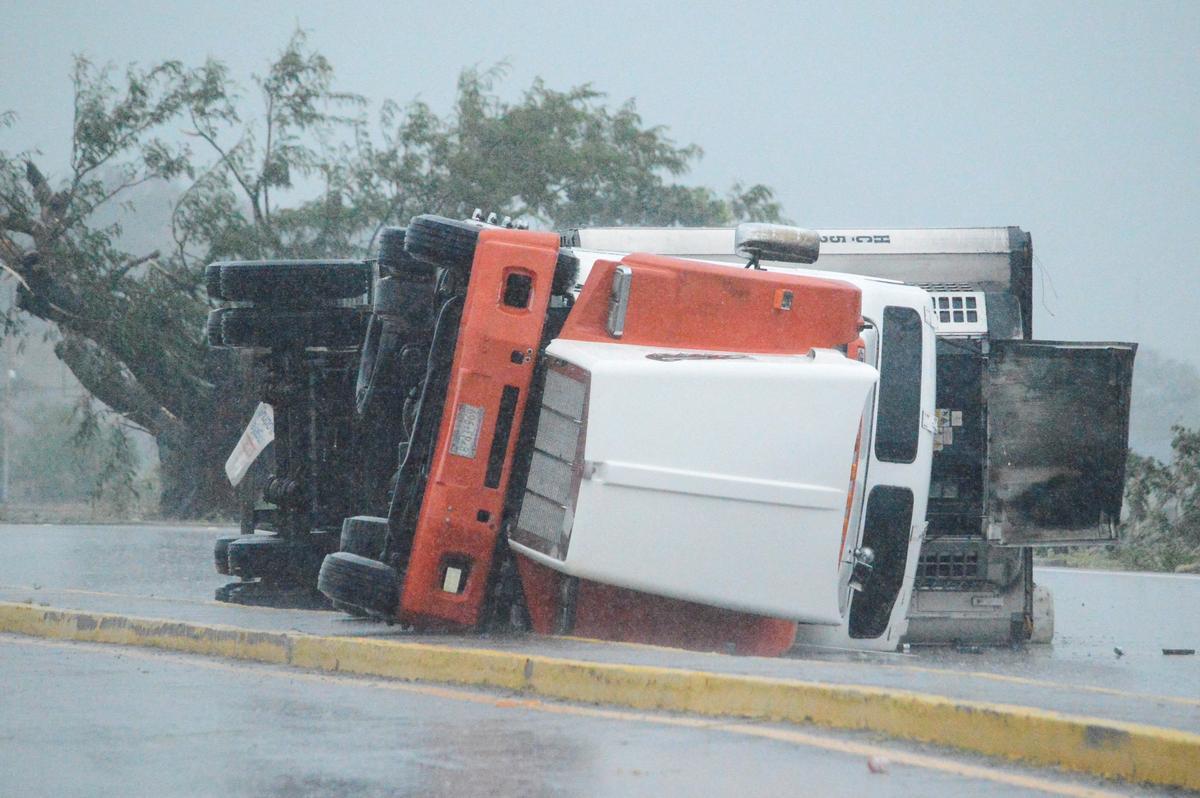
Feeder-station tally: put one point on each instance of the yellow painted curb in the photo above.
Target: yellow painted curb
(1114, 749)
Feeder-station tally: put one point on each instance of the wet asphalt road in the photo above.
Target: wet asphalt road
(141, 560)
(91, 720)
(87, 720)
(1095, 613)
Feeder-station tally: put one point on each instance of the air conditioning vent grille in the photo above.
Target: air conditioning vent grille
(959, 312)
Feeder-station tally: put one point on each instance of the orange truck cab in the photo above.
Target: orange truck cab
(616, 465)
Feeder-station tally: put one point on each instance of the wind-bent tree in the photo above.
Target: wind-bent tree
(1162, 527)
(305, 175)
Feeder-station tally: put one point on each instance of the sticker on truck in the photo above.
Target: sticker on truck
(258, 433)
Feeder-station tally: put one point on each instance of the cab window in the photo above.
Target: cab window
(899, 426)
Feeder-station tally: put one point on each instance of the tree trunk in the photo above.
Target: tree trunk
(193, 475)
(194, 484)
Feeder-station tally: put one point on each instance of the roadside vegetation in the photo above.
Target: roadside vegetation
(68, 462)
(1162, 532)
(288, 164)
(1161, 528)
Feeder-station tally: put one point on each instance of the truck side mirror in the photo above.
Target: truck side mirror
(864, 566)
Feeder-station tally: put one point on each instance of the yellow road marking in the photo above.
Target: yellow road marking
(1117, 749)
(1030, 682)
(894, 756)
(988, 675)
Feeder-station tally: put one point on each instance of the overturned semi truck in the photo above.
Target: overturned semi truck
(664, 449)
(606, 456)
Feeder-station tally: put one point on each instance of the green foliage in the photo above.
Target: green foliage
(101, 443)
(560, 157)
(1162, 530)
(554, 157)
(75, 455)
(294, 167)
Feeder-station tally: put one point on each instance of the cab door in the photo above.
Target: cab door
(1058, 435)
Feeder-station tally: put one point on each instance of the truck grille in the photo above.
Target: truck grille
(949, 564)
(547, 510)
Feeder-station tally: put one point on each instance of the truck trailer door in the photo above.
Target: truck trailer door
(1058, 434)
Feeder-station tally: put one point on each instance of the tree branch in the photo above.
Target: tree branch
(262, 175)
(110, 382)
(172, 279)
(13, 271)
(41, 189)
(40, 294)
(11, 253)
(212, 142)
(141, 357)
(108, 196)
(115, 276)
(18, 223)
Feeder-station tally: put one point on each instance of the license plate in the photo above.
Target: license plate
(464, 439)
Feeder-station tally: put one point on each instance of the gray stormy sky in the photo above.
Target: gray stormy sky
(1077, 122)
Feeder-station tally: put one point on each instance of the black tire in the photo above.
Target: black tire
(395, 261)
(272, 557)
(391, 249)
(212, 280)
(287, 282)
(364, 535)
(221, 554)
(388, 298)
(212, 328)
(332, 327)
(263, 557)
(405, 303)
(566, 273)
(370, 361)
(443, 242)
(349, 580)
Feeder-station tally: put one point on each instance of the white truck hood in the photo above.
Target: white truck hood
(714, 477)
